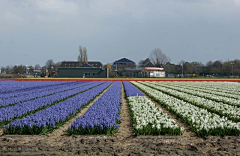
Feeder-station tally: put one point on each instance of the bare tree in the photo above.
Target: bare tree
(80, 56)
(37, 67)
(144, 63)
(227, 68)
(3, 70)
(49, 65)
(217, 68)
(236, 67)
(141, 63)
(169, 68)
(208, 67)
(85, 58)
(108, 65)
(158, 58)
(43, 71)
(15, 69)
(8, 69)
(183, 68)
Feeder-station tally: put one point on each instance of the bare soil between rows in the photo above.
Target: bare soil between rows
(125, 142)
(112, 145)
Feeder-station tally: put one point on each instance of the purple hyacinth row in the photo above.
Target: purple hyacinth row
(7, 87)
(8, 113)
(52, 116)
(102, 115)
(41, 93)
(32, 89)
(11, 86)
(131, 90)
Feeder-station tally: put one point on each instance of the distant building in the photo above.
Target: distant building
(123, 61)
(74, 64)
(155, 72)
(147, 63)
(72, 69)
(145, 72)
(37, 73)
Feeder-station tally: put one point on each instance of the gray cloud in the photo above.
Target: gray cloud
(200, 30)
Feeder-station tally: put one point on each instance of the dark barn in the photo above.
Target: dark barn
(89, 70)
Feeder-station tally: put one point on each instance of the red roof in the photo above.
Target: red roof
(154, 69)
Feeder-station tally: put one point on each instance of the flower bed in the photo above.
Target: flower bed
(103, 116)
(52, 117)
(23, 92)
(230, 90)
(131, 90)
(7, 87)
(222, 109)
(211, 95)
(149, 119)
(202, 122)
(40, 93)
(26, 108)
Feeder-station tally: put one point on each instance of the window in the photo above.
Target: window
(87, 74)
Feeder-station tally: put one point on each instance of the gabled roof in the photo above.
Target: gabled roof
(86, 66)
(95, 64)
(69, 64)
(124, 60)
(148, 64)
(75, 64)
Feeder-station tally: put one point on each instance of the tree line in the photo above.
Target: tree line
(49, 68)
(216, 68)
(156, 58)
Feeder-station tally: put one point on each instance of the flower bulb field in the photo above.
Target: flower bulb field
(119, 117)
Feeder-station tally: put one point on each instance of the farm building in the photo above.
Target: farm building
(145, 72)
(123, 61)
(89, 70)
(155, 72)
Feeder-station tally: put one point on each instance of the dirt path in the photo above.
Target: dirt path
(187, 129)
(125, 127)
(62, 130)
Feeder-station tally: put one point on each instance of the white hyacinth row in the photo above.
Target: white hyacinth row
(197, 86)
(231, 112)
(202, 122)
(206, 87)
(200, 92)
(149, 119)
(229, 88)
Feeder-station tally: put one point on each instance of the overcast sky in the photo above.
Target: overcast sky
(31, 32)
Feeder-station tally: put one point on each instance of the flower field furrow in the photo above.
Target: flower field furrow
(52, 117)
(223, 87)
(211, 96)
(201, 121)
(196, 86)
(222, 109)
(7, 114)
(149, 119)
(47, 87)
(103, 116)
(32, 96)
(15, 86)
(131, 90)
